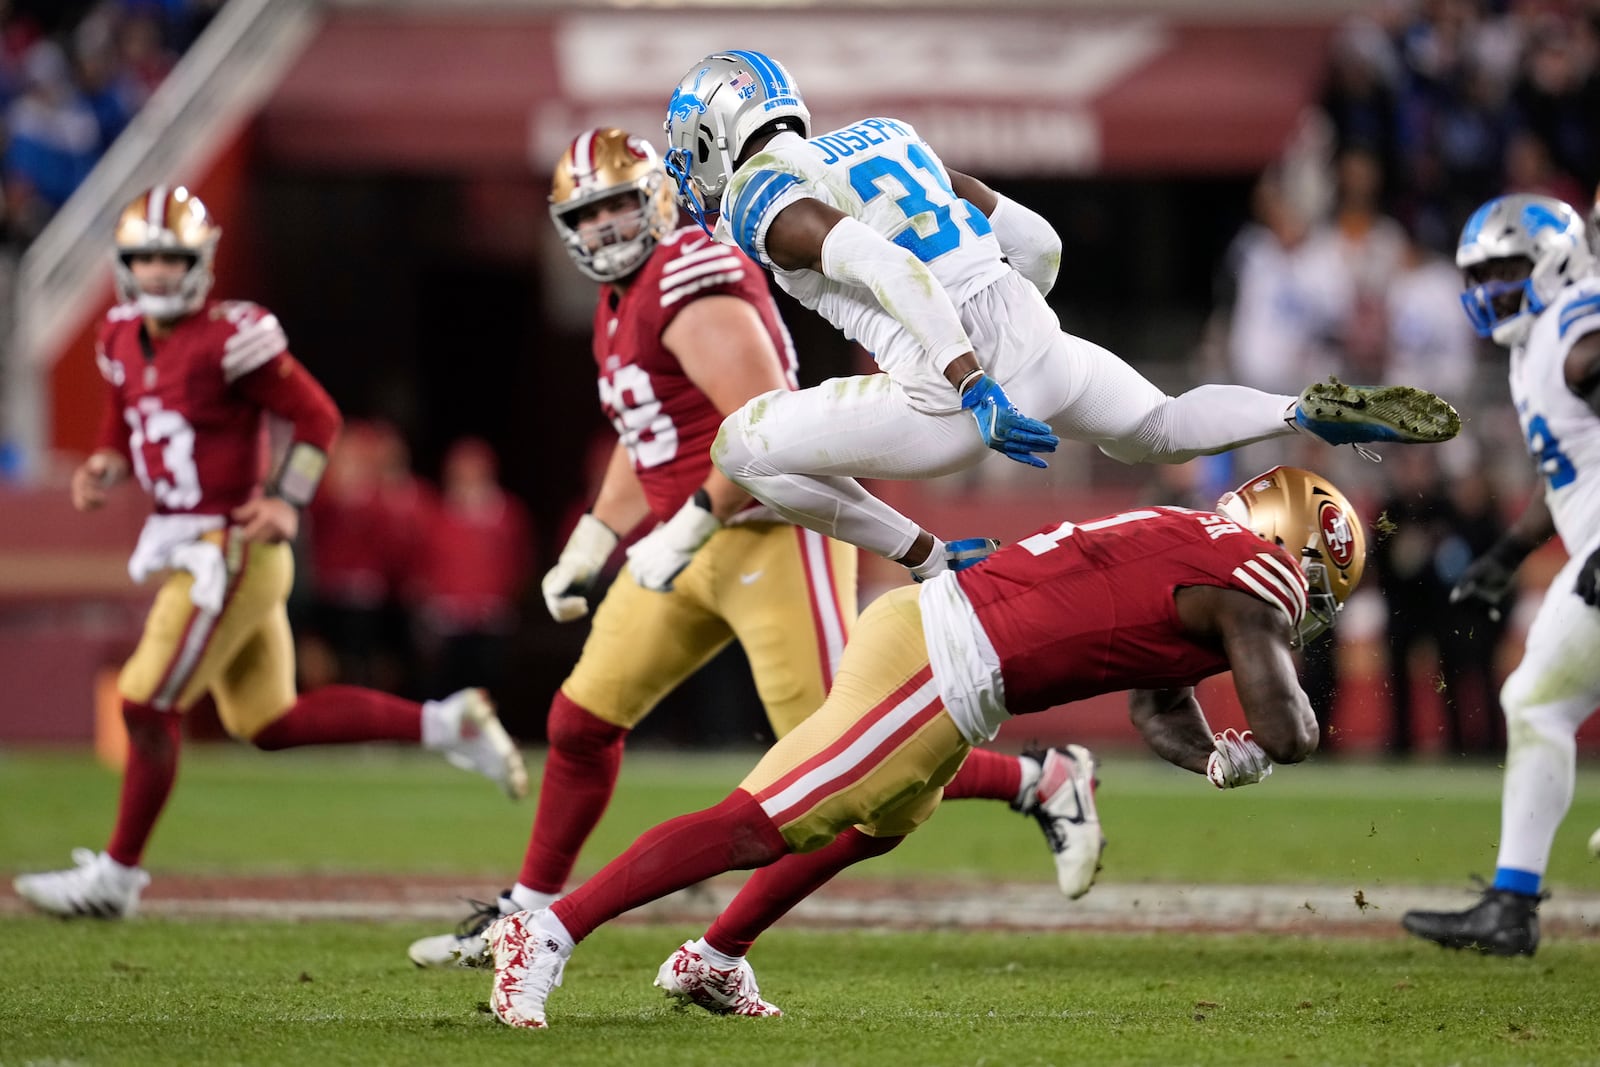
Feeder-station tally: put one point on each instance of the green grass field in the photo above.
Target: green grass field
(172, 991)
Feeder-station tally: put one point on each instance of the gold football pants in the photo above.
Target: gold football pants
(243, 655)
(786, 593)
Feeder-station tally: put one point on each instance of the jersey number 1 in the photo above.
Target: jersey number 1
(866, 179)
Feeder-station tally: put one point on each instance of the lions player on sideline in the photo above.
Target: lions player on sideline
(1159, 597)
(191, 382)
(1532, 287)
(942, 279)
(686, 331)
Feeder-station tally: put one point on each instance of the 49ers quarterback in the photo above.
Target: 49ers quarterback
(192, 383)
(685, 332)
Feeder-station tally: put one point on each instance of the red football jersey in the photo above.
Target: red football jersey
(195, 443)
(1080, 609)
(666, 423)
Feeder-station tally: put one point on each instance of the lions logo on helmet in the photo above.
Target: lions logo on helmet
(718, 108)
(1309, 516)
(166, 220)
(600, 165)
(1517, 253)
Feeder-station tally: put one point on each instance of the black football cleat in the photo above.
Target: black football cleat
(1503, 923)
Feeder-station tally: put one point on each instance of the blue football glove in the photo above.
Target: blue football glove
(1004, 428)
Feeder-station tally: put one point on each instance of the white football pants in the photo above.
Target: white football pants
(1550, 694)
(801, 452)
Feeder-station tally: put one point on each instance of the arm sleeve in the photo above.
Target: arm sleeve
(286, 389)
(857, 255)
(113, 434)
(1028, 241)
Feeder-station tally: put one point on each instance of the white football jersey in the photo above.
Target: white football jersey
(881, 173)
(1562, 432)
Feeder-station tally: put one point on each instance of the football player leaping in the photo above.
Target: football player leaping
(942, 280)
(1157, 598)
(191, 381)
(685, 331)
(1532, 288)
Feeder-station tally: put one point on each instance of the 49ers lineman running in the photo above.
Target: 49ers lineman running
(1157, 598)
(685, 331)
(191, 381)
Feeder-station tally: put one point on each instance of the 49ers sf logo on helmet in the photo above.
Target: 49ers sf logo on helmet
(1336, 534)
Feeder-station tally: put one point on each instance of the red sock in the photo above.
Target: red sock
(733, 836)
(342, 715)
(153, 742)
(773, 890)
(986, 776)
(580, 774)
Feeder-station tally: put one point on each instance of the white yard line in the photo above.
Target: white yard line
(1309, 910)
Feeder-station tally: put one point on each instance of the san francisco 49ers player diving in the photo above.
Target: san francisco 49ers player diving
(686, 331)
(190, 381)
(1156, 598)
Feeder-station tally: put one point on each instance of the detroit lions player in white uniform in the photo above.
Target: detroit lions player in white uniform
(942, 280)
(1533, 289)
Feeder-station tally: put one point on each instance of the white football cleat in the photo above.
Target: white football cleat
(468, 946)
(527, 968)
(688, 977)
(97, 886)
(1063, 805)
(480, 743)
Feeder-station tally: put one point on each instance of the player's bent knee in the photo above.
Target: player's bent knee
(1540, 724)
(571, 727)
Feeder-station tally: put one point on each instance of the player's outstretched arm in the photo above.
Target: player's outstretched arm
(1258, 638)
(1173, 725)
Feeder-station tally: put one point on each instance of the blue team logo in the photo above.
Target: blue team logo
(684, 104)
(1536, 217)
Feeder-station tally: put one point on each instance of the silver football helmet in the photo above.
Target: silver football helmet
(1542, 231)
(714, 112)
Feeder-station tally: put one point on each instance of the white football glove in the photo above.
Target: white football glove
(661, 555)
(1237, 761)
(566, 584)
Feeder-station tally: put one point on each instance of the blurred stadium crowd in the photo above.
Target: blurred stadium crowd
(72, 75)
(1344, 268)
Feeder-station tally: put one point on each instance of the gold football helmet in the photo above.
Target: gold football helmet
(598, 165)
(171, 220)
(1308, 516)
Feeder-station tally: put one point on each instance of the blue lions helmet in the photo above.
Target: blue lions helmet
(1543, 232)
(714, 112)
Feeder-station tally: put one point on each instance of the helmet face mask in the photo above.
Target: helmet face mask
(715, 111)
(162, 221)
(1310, 518)
(1503, 295)
(610, 171)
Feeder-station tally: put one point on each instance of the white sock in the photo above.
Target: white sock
(546, 923)
(441, 725)
(934, 565)
(531, 899)
(1031, 770)
(720, 960)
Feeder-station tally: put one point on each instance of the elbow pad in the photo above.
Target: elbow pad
(855, 254)
(1028, 241)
